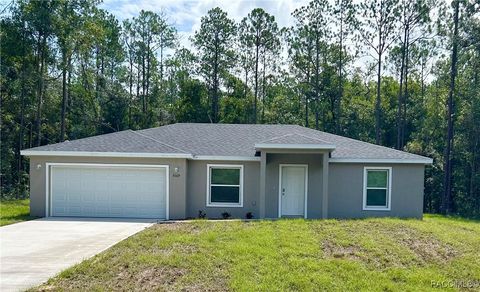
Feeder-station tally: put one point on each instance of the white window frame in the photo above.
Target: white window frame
(209, 203)
(388, 188)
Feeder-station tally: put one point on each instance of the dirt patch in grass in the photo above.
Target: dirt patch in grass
(186, 227)
(334, 250)
(151, 278)
(427, 248)
(408, 247)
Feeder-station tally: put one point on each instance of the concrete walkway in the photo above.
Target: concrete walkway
(31, 252)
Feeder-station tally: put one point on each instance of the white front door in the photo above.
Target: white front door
(293, 190)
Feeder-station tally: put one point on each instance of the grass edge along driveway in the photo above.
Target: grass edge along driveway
(13, 211)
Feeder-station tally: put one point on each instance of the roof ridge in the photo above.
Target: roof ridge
(274, 138)
(314, 138)
(165, 144)
(302, 135)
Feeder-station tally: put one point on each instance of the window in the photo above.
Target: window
(377, 186)
(225, 185)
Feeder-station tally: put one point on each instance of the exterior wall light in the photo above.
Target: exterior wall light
(176, 172)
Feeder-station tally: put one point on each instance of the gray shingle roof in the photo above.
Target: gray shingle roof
(225, 140)
(124, 141)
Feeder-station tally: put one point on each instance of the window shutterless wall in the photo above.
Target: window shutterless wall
(346, 182)
(197, 189)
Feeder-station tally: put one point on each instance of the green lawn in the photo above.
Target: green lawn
(332, 255)
(13, 211)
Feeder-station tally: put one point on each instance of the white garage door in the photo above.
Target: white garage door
(108, 191)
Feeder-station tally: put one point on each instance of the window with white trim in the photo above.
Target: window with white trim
(225, 185)
(377, 188)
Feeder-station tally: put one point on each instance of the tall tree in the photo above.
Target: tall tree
(414, 18)
(38, 19)
(379, 22)
(214, 41)
(67, 20)
(166, 39)
(309, 51)
(259, 32)
(344, 20)
(447, 195)
(147, 37)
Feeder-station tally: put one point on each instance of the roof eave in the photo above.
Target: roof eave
(226, 158)
(104, 154)
(426, 161)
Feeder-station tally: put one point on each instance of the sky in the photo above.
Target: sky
(185, 15)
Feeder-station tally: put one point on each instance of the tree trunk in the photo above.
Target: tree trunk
(148, 77)
(144, 102)
(40, 87)
(161, 67)
(138, 81)
(215, 88)
(21, 133)
(64, 96)
(317, 79)
(306, 112)
(378, 102)
(405, 95)
(255, 104)
(447, 195)
(338, 103)
(400, 94)
(264, 84)
(130, 91)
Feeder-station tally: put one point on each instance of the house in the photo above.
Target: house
(175, 171)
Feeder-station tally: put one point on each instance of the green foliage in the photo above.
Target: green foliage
(190, 107)
(259, 40)
(214, 43)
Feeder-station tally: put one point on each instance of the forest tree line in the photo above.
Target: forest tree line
(398, 73)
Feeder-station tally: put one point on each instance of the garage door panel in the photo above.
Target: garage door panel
(119, 191)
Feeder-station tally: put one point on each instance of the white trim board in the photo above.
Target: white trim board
(104, 154)
(225, 205)
(138, 155)
(389, 189)
(280, 166)
(295, 146)
(48, 180)
(226, 158)
(214, 157)
(380, 160)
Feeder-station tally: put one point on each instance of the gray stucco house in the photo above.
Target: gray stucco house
(175, 171)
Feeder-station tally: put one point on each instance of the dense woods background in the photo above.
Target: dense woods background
(398, 73)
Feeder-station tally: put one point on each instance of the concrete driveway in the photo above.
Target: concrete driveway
(31, 252)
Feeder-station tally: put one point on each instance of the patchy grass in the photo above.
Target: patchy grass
(13, 211)
(333, 255)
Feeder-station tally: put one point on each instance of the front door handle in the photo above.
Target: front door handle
(283, 192)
